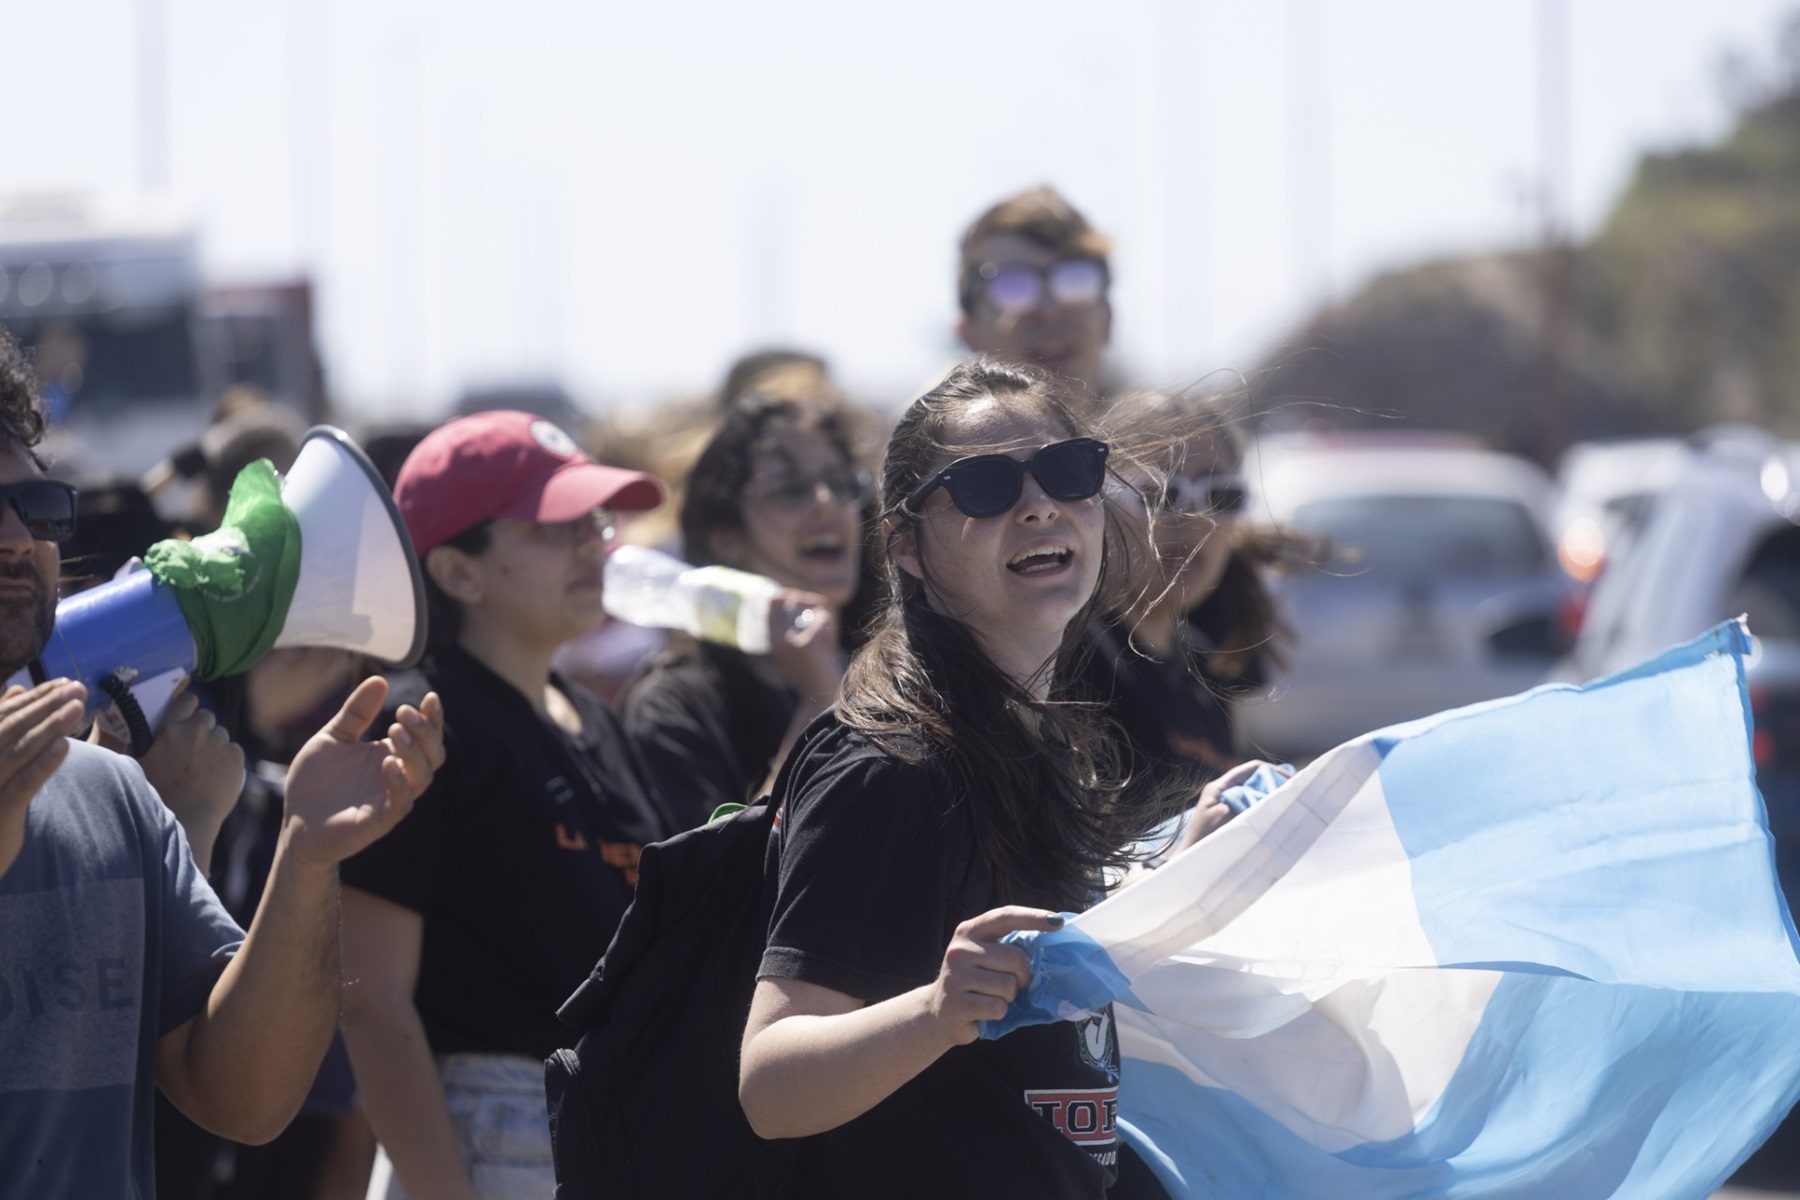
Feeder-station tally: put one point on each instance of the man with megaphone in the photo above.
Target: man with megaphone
(120, 972)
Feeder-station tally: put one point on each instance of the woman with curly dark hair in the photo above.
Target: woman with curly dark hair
(956, 795)
(777, 491)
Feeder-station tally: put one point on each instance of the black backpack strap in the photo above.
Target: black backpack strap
(667, 1003)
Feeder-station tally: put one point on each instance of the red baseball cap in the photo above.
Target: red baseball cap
(507, 464)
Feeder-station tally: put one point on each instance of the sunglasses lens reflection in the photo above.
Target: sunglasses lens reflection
(1077, 281)
(46, 508)
(1072, 282)
(1014, 288)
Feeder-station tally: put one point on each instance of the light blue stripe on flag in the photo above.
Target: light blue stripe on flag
(1642, 846)
(1531, 948)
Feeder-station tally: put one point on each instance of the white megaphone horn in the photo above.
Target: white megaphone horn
(360, 585)
(358, 588)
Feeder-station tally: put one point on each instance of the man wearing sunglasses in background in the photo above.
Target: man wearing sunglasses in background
(1033, 287)
(120, 972)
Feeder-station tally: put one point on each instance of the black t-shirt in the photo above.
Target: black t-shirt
(877, 865)
(707, 722)
(521, 857)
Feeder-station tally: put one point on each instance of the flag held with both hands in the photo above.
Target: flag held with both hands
(1529, 948)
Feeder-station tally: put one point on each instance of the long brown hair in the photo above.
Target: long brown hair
(1049, 808)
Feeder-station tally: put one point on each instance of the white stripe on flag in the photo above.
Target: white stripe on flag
(1530, 948)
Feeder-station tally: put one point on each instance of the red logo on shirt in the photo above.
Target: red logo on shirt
(1085, 1118)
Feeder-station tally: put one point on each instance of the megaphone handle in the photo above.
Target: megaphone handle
(130, 710)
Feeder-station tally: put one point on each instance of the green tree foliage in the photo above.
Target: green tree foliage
(1682, 311)
(1693, 289)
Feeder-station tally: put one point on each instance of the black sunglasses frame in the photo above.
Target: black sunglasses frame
(28, 500)
(852, 489)
(1224, 498)
(1055, 487)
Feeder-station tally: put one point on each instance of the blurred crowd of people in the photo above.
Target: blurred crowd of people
(572, 740)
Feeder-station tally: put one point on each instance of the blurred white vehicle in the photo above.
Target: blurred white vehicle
(1602, 492)
(1721, 540)
(1442, 588)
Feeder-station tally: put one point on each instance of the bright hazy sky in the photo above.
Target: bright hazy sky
(627, 196)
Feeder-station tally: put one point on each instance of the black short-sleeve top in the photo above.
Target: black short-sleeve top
(521, 857)
(876, 865)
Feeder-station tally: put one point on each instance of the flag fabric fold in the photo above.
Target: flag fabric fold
(1533, 947)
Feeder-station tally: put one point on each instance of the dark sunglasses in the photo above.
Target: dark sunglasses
(1208, 496)
(849, 488)
(1016, 287)
(986, 485)
(46, 506)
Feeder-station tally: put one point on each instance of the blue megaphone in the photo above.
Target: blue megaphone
(357, 587)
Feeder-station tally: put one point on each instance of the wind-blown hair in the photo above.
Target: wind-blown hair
(1049, 808)
(21, 414)
(1154, 432)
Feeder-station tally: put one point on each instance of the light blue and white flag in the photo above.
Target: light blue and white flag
(1530, 948)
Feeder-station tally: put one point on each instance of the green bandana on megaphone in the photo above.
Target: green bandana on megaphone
(234, 585)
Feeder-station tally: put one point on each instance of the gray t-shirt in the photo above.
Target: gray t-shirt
(109, 938)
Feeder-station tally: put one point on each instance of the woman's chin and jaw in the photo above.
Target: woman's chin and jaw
(1017, 597)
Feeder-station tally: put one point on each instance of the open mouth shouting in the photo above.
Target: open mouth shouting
(1041, 560)
(823, 548)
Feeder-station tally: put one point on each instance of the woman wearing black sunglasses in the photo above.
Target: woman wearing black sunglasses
(952, 798)
(777, 491)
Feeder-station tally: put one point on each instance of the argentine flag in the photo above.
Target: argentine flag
(1530, 948)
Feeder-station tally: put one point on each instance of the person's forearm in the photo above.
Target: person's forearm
(254, 1051)
(202, 835)
(805, 1074)
(401, 1094)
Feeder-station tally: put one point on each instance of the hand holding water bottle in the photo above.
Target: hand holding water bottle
(713, 603)
(803, 641)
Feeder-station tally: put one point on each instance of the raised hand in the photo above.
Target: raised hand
(344, 793)
(34, 726)
(1209, 812)
(34, 739)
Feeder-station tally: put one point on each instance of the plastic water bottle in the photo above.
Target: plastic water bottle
(716, 604)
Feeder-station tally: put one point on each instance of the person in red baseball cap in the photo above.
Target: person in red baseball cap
(467, 933)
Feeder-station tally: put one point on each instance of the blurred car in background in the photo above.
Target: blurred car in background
(1720, 541)
(1603, 489)
(1441, 587)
